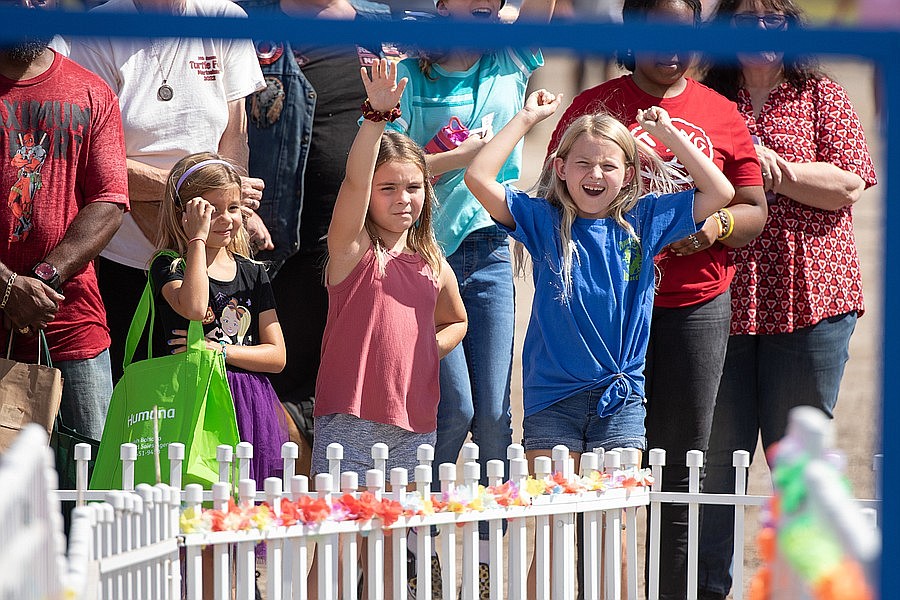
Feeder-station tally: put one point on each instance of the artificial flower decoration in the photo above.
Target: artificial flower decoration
(311, 511)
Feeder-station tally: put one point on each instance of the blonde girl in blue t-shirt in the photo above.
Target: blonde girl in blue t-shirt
(592, 233)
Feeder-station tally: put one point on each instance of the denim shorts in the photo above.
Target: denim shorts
(574, 423)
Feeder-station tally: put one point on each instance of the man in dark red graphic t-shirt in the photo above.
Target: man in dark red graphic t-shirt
(64, 169)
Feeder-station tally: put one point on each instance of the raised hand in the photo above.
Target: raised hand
(540, 104)
(382, 87)
(197, 217)
(654, 119)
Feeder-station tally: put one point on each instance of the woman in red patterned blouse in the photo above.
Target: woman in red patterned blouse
(797, 290)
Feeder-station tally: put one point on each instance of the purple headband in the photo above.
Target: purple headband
(200, 165)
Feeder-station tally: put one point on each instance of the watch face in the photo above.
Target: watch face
(45, 271)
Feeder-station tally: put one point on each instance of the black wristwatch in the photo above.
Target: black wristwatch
(48, 274)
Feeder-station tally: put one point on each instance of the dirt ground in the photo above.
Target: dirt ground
(857, 416)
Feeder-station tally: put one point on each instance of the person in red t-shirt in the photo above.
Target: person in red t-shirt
(692, 310)
(66, 189)
(797, 289)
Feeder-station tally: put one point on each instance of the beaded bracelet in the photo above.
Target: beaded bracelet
(376, 116)
(727, 223)
(224, 351)
(9, 284)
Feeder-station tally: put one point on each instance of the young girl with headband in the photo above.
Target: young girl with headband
(203, 273)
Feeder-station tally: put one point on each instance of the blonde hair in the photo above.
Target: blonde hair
(642, 159)
(396, 147)
(211, 177)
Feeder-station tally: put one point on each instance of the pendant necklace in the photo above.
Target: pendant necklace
(165, 91)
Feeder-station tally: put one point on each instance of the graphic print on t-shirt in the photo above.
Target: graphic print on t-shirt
(232, 324)
(29, 160)
(632, 259)
(694, 133)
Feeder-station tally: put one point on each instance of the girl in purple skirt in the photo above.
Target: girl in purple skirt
(204, 274)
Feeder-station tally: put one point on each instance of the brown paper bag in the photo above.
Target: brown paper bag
(28, 394)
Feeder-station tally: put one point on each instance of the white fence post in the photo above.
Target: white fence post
(350, 578)
(244, 454)
(399, 481)
(422, 475)
(327, 545)
(221, 552)
(289, 454)
(379, 458)
(128, 456)
(542, 536)
(471, 475)
(334, 454)
(274, 548)
(613, 541)
(193, 499)
(563, 528)
(631, 460)
(299, 552)
(495, 534)
(224, 456)
(447, 474)
(591, 536)
(657, 461)
(694, 462)
(375, 543)
(175, 452)
(82, 458)
(741, 462)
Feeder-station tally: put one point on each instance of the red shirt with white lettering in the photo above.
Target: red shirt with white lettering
(61, 148)
(714, 125)
(804, 266)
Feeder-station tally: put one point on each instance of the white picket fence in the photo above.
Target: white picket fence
(31, 538)
(127, 544)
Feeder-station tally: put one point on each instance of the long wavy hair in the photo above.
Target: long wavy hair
(170, 234)
(645, 163)
(726, 77)
(636, 11)
(396, 147)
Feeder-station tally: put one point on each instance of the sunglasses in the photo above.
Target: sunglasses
(769, 21)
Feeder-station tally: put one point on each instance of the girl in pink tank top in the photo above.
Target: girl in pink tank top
(394, 305)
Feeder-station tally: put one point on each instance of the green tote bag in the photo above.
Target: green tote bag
(186, 393)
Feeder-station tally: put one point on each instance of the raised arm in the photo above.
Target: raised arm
(713, 189)
(537, 10)
(481, 176)
(347, 237)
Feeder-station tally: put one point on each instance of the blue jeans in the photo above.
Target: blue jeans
(684, 365)
(475, 375)
(765, 376)
(87, 388)
(574, 423)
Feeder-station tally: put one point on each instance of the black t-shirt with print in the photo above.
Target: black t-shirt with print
(234, 306)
